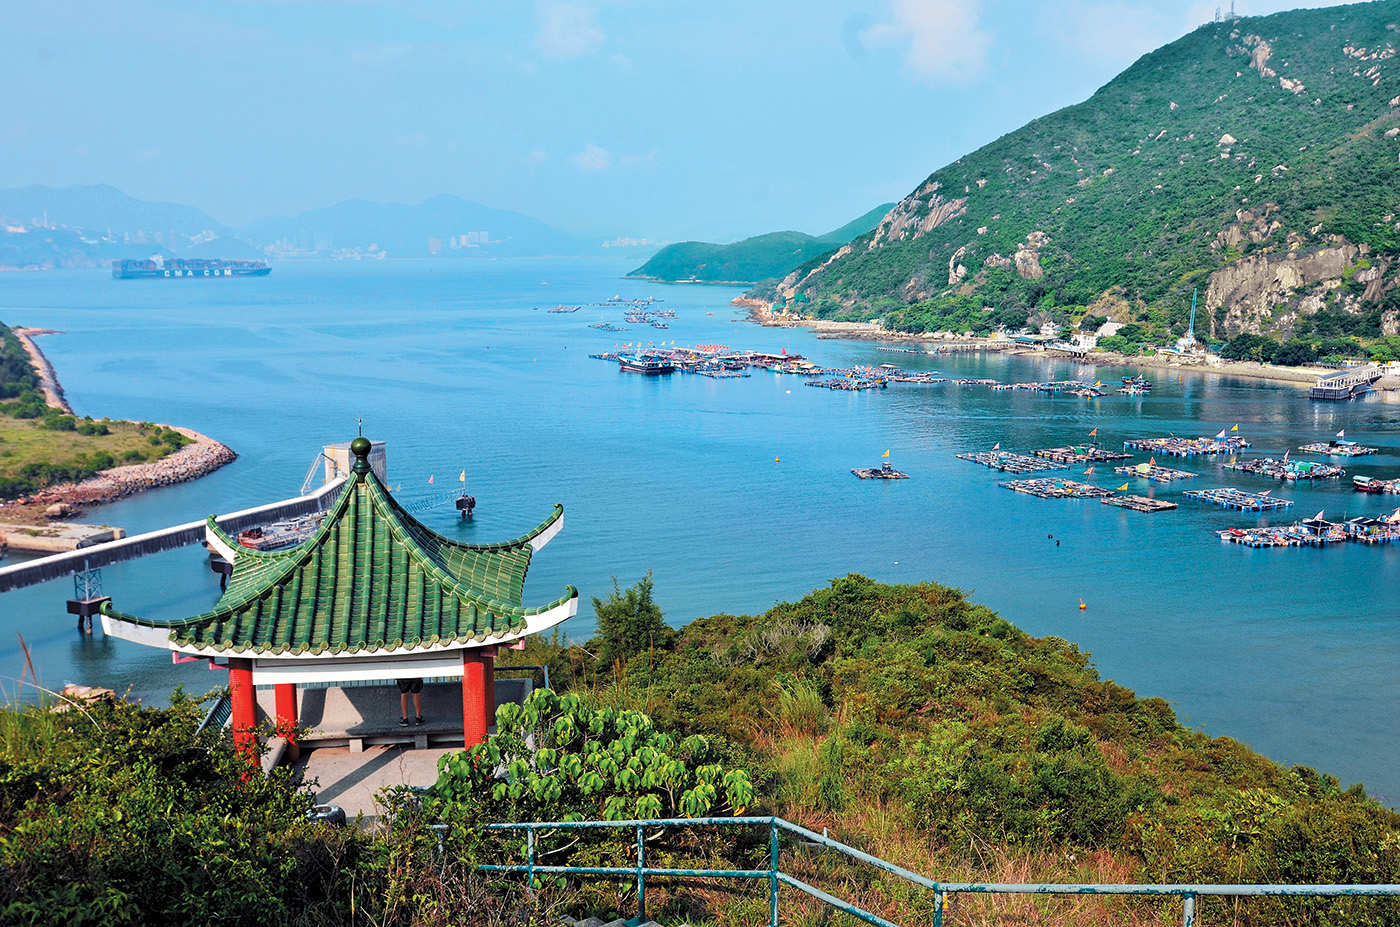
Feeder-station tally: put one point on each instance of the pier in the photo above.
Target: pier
(1049, 487)
(1345, 384)
(1238, 499)
(1007, 462)
(19, 575)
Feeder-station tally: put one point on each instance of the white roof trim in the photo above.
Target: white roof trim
(357, 669)
(547, 535)
(160, 637)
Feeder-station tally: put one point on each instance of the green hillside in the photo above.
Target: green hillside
(752, 259)
(1257, 160)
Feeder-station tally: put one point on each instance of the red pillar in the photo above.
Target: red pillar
(488, 658)
(245, 706)
(474, 721)
(286, 695)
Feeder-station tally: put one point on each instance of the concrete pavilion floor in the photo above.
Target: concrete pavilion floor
(355, 746)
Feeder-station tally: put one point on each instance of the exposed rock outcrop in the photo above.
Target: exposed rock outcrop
(1253, 289)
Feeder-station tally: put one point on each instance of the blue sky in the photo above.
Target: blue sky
(715, 120)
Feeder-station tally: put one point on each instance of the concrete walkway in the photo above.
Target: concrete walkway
(352, 780)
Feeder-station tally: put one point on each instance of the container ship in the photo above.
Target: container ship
(156, 266)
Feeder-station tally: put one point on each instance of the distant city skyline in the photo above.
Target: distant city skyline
(712, 121)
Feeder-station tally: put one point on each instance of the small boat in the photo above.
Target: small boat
(1367, 484)
(280, 535)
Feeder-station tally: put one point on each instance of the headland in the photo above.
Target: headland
(198, 456)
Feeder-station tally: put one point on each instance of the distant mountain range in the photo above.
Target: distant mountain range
(90, 226)
(753, 259)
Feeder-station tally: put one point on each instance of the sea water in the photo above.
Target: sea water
(735, 494)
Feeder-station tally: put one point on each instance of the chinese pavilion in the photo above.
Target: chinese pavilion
(372, 595)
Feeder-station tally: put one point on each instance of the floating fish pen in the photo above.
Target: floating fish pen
(1012, 463)
(885, 347)
(605, 356)
(1155, 474)
(918, 378)
(1139, 503)
(605, 327)
(882, 472)
(1370, 530)
(982, 381)
(847, 383)
(1338, 449)
(1187, 447)
(1292, 471)
(721, 373)
(1049, 487)
(1080, 453)
(1238, 499)
(566, 309)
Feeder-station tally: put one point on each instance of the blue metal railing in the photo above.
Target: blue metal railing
(941, 890)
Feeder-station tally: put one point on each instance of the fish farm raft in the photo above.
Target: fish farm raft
(1012, 463)
(1238, 499)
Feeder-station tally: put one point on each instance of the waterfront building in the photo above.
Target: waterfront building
(372, 595)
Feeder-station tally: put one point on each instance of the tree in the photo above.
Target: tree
(565, 759)
(629, 623)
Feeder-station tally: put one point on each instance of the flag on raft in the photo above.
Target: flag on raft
(1088, 471)
(1342, 433)
(1235, 428)
(1098, 383)
(1285, 456)
(1152, 461)
(1222, 433)
(1123, 488)
(1094, 432)
(1266, 492)
(1318, 516)
(430, 480)
(886, 454)
(997, 446)
(463, 477)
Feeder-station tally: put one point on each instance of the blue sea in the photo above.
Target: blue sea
(735, 494)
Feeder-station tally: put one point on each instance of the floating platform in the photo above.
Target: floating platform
(1292, 471)
(1338, 449)
(1238, 499)
(1007, 462)
(1155, 474)
(882, 472)
(1139, 503)
(1188, 447)
(1080, 453)
(1049, 487)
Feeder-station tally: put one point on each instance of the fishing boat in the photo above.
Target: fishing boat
(1368, 484)
(651, 364)
(280, 535)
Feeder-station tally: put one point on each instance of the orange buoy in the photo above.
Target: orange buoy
(1082, 606)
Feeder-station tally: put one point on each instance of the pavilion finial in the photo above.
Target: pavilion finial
(360, 448)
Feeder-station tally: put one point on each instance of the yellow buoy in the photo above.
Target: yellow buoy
(1082, 606)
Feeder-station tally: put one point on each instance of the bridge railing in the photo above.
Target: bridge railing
(774, 875)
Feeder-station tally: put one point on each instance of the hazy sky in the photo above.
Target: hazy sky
(667, 120)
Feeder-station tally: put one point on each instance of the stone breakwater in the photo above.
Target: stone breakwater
(190, 462)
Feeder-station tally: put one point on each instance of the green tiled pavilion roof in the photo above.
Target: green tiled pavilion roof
(371, 579)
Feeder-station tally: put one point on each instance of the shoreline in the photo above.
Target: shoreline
(48, 380)
(200, 458)
(760, 314)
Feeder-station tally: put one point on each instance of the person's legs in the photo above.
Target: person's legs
(418, 706)
(403, 707)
